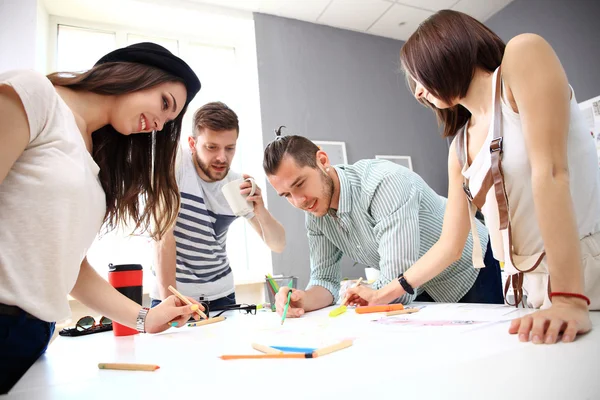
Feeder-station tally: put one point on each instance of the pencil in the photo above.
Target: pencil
(405, 311)
(265, 349)
(330, 349)
(317, 353)
(355, 285)
(342, 308)
(128, 367)
(287, 304)
(289, 349)
(265, 356)
(186, 300)
(381, 308)
(207, 321)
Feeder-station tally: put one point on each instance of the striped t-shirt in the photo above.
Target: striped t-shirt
(201, 233)
(387, 218)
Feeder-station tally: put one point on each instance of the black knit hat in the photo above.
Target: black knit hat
(156, 56)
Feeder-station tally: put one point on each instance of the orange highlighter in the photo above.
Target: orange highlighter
(382, 308)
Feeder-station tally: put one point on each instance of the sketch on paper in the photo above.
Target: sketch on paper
(335, 150)
(405, 161)
(416, 322)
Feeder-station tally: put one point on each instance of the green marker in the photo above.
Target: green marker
(287, 304)
(275, 288)
(273, 283)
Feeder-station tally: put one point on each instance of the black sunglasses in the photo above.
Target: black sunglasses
(248, 308)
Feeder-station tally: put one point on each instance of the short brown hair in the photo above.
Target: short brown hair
(300, 148)
(215, 116)
(443, 54)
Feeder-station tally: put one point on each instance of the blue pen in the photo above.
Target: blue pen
(294, 349)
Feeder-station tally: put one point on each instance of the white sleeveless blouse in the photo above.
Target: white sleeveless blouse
(527, 242)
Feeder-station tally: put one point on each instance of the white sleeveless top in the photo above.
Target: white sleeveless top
(527, 242)
(51, 204)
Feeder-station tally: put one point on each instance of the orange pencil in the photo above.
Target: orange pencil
(382, 308)
(262, 356)
(317, 353)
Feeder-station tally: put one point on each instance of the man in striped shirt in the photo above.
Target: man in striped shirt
(379, 214)
(193, 257)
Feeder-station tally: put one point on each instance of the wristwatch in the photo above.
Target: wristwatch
(140, 322)
(405, 285)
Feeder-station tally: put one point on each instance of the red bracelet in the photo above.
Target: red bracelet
(567, 294)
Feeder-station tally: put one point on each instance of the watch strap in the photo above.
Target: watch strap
(405, 285)
(140, 322)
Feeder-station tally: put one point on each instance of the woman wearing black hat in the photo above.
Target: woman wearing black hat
(80, 150)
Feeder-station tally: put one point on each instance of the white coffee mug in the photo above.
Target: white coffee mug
(237, 201)
(372, 274)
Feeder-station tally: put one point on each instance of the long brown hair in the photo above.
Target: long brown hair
(443, 54)
(137, 172)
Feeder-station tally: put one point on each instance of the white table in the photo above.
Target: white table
(478, 361)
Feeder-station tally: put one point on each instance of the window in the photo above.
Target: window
(225, 72)
(80, 48)
(169, 44)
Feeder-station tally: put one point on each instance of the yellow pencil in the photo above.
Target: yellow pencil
(330, 349)
(128, 367)
(207, 321)
(405, 311)
(186, 301)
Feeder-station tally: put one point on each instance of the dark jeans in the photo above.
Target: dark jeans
(218, 304)
(487, 288)
(22, 341)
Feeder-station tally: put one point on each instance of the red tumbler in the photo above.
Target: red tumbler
(127, 279)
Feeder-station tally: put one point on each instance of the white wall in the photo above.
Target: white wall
(23, 35)
(17, 34)
(41, 38)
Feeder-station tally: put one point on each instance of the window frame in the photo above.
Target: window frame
(258, 258)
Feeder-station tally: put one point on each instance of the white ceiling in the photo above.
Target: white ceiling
(395, 19)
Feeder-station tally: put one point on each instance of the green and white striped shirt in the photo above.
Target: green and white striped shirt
(387, 218)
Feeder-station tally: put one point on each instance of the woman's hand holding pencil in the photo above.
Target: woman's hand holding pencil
(346, 297)
(362, 296)
(172, 312)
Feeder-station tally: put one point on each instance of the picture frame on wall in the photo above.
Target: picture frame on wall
(405, 161)
(336, 151)
(591, 112)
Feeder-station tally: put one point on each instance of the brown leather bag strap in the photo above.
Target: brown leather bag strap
(497, 174)
(516, 281)
(496, 156)
(486, 185)
(462, 159)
